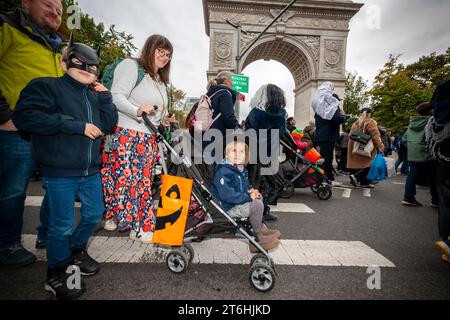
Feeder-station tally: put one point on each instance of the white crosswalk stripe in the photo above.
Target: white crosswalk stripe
(234, 251)
(36, 201)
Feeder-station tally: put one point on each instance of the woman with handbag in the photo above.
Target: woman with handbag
(361, 154)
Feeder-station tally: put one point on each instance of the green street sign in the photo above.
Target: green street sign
(240, 83)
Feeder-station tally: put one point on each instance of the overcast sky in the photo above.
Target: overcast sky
(410, 27)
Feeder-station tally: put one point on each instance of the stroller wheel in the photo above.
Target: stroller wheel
(187, 248)
(177, 261)
(261, 259)
(261, 277)
(288, 191)
(324, 193)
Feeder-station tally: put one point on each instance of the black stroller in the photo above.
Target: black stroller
(299, 172)
(206, 217)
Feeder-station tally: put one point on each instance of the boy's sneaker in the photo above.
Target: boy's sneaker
(368, 186)
(88, 266)
(16, 257)
(64, 284)
(110, 225)
(411, 203)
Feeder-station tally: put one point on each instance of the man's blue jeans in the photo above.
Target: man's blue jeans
(61, 192)
(410, 187)
(16, 167)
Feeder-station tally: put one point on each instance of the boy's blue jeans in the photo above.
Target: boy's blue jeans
(62, 239)
(16, 167)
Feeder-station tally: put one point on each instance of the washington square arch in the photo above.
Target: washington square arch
(310, 39)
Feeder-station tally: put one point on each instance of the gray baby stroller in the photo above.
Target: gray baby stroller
(207, 217)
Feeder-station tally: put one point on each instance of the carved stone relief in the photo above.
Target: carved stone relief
(334, 50)
(223, 48)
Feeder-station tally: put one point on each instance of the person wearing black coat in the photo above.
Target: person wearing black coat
(329, 117)
(223, 100)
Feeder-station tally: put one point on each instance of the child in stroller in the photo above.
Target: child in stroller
(238, 198)
(303, 170)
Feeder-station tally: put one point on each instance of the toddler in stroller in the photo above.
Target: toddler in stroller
(239, 199)
(303, 170)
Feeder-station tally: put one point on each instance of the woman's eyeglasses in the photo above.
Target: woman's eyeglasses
(164, 53)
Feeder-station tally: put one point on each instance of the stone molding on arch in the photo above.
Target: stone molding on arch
(299, 54)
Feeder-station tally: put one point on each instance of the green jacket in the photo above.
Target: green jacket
(24, 56)
(414, 139)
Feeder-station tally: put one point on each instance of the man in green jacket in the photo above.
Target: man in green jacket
(419, 157)
(29, 48)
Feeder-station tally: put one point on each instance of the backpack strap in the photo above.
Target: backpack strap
(141, 74)
(212, 96)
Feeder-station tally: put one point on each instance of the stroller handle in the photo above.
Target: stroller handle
(149, 124)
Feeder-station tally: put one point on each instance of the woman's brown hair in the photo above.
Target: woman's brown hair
(146, 59)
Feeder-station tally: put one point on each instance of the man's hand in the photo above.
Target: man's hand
(92, 132)
(8, 126)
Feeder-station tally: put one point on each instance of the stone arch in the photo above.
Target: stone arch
(290, 52)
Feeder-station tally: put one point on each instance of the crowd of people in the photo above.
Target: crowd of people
(90, 143)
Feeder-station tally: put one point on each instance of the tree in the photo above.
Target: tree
(431, 69)
(178, 97)
(396, 94)
(356, 96)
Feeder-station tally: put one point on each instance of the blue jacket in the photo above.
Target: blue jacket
(55, 112)
(328, 130)
(231, 186)
(223, 103)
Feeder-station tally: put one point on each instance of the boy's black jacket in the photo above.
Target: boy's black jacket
(55, 111)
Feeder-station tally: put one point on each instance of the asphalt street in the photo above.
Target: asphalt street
(403, 235)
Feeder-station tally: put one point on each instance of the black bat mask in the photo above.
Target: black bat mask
(85, 54)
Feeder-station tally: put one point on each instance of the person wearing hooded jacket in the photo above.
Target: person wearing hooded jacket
(329, 117)
(418, 156)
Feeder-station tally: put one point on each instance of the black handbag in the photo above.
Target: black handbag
(360, 137)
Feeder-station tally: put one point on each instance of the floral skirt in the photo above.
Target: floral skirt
(127, 175)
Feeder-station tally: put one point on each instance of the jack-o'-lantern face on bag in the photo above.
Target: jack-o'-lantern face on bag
(173, 210)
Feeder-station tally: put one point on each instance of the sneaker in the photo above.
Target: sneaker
(40, 244)
(110, 225)
(368, 186)
(16, 257)
(353, 180)
(443, 248)
(88, 266)
(411, 203)
(59, 282)
(145, 237)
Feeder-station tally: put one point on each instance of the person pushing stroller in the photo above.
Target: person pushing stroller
(239, 199)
